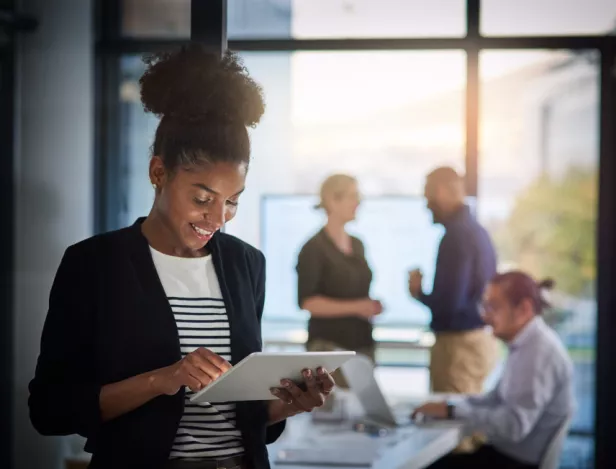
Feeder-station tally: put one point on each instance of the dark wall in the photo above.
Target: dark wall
(7, 70)
(53, 187)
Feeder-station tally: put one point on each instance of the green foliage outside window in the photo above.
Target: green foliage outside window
(551, 231)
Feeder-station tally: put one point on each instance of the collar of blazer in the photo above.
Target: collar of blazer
(150, 282)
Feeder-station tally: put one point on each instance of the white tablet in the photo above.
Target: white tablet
(253, 377)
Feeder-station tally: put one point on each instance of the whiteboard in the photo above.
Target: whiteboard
(398, 235)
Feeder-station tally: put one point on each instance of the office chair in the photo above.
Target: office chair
(551, 458)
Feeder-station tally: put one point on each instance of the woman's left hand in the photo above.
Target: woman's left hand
(318, 388)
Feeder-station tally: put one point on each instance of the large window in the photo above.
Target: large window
(304, 19)
(538, 187)
(388, 117)
(547, 17)
(396, 116)
(319, 19)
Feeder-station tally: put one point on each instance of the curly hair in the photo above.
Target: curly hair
(205, 102)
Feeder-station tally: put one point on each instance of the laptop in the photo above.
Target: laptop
(359, 373)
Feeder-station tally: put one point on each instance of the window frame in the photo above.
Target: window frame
(110, 191)
(110, 187)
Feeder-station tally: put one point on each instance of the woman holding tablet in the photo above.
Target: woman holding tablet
(141, 318)
(333, 277)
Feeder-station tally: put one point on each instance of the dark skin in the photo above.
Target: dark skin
(190, 205)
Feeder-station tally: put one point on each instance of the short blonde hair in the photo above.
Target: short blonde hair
(334, 186)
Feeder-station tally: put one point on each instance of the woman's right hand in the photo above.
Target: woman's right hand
(369, 308)
(196, 370)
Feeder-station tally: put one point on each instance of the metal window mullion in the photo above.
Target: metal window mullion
(208, 23)
(605, 366)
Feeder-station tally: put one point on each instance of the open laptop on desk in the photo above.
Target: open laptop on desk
(359, 373)
(358, 451)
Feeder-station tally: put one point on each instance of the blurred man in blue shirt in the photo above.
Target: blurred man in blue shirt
(464, 352)
(533, 400)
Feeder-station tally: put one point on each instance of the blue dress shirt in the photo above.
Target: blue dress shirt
(465, 262)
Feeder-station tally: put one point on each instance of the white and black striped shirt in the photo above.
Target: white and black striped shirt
(206, 431)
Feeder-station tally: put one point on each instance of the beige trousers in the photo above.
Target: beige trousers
(460, 362)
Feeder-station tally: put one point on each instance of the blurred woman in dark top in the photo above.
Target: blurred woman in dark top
(334, 277)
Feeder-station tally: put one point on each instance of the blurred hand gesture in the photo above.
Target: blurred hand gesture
(415, 280)
(369, 308)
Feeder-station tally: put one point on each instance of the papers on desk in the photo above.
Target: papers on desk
(331, 447)
(356, 456)
(340, 448)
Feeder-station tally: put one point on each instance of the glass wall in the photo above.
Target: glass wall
(389, 121)
(303, 19)
(386, 117)
(547, 17)
(320, 19)
(389, 117)
(539, 149)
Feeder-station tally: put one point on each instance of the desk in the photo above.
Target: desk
(413, 447)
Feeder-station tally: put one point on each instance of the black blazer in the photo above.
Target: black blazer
(108, 320)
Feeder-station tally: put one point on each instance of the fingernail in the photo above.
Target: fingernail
(320, 371)
(307, 373)
(286, 384)
(275, 392)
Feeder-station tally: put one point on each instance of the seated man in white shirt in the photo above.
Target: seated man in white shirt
(534, 396)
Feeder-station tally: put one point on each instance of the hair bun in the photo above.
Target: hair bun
(546, 284)
(195, 84)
